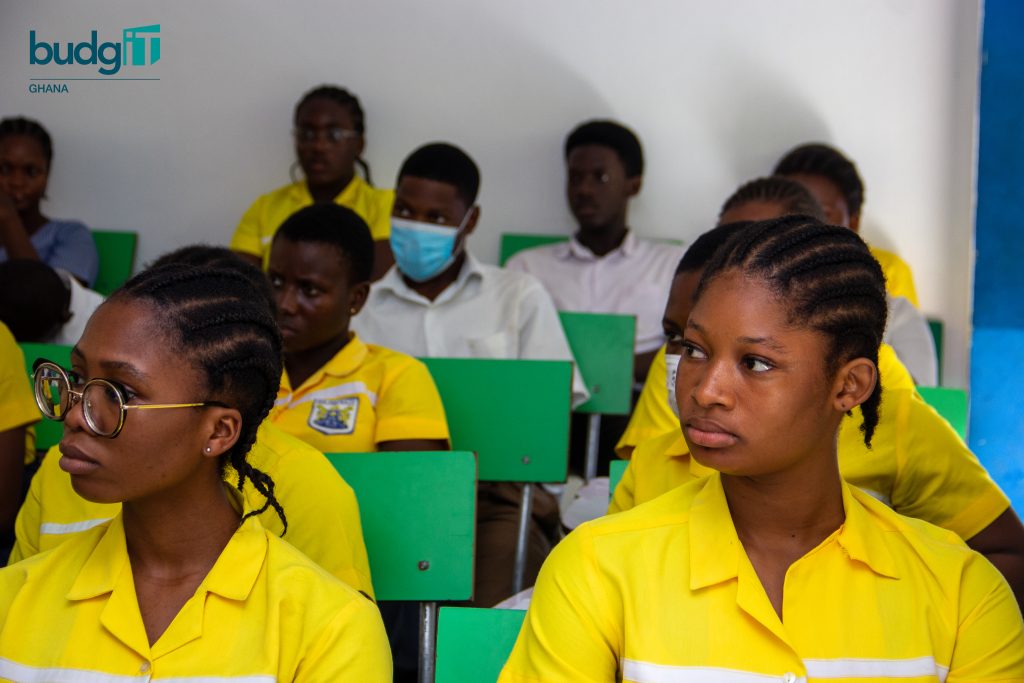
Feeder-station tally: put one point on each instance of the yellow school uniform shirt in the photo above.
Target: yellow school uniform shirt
(666, 592)
(363, 396)
(322, 511)
(917, 464)
(265, 612)
(652, 416)
(899, 281)
(256, 230)
(17, 406)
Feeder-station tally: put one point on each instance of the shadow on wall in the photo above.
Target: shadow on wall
(752, 128)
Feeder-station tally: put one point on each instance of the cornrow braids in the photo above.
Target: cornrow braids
(347, 100)
(789, 194)
(219, 321)
(21, 126)
(829, 281)
(828, 162)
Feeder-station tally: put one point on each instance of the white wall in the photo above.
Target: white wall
(716, 90)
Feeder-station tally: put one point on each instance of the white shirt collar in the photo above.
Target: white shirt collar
(574, 249)
(394, 283)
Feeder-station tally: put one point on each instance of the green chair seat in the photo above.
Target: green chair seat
(473, 644)
(616, 468)
(514, 414)
(603, 345)
(418, 512)
(949, 403)
(117, 258)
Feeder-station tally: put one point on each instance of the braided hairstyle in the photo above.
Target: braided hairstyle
(221, 257)
(828, 279)
(828, 162)
(20, 126)
(347, 100)
(218, 320)
(789, 194)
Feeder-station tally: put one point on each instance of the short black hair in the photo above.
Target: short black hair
(337, 226)
(615, 136)
(444, 163)
(18, 126)
(828, 162)
(794, 198)
(220, 257)
(34, 299)
(704, 247)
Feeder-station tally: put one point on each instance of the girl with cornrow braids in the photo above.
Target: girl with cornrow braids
(26, 152)
(167, 386)
(772, 567)
(329, 135)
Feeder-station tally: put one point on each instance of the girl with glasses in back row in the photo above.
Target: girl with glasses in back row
(167, 386)
(329, 134)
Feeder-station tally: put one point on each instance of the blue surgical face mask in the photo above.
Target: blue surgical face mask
(672, 368)
(424, 250)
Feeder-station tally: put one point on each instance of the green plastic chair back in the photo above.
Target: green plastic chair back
(603, 347)
(515, 242)
(48, 432)
(616, 468)
(936, 326)
(514, 414)
(418, 512)
(473, 644)
(949, 403)
(117, 258)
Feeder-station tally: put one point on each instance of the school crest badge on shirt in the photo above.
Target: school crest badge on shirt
(334, 415)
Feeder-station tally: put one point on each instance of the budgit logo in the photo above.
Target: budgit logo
(139, 47)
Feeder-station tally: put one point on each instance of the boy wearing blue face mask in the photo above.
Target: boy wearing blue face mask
(438, 300)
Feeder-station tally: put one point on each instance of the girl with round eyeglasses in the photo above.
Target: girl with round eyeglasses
(167, 386)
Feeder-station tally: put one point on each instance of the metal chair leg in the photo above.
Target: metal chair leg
(523, 538)
(593, 445)
(428, 641)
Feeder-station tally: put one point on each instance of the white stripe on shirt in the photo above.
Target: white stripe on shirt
(875, 668)
(55, 529)
(338, 391)
(22, 673)
(646, 672)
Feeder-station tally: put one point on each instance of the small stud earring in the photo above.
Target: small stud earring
(208, 449)
(352, 311)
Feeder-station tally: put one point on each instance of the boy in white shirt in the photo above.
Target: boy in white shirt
(438, 300)
(605, 267)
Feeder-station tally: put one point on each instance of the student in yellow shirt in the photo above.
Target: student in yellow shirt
(917, 464)
(305, 482)
(329, 138)
(835, 183)
(168, 385)
(338, 393)
(772, 566)
(18, 413)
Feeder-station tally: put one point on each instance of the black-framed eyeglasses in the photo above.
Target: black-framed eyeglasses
(103, 401)
(334, 135)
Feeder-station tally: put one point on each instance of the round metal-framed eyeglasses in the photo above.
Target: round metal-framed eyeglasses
(104, 402)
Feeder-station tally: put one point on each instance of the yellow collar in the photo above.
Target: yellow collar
(715, 547)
